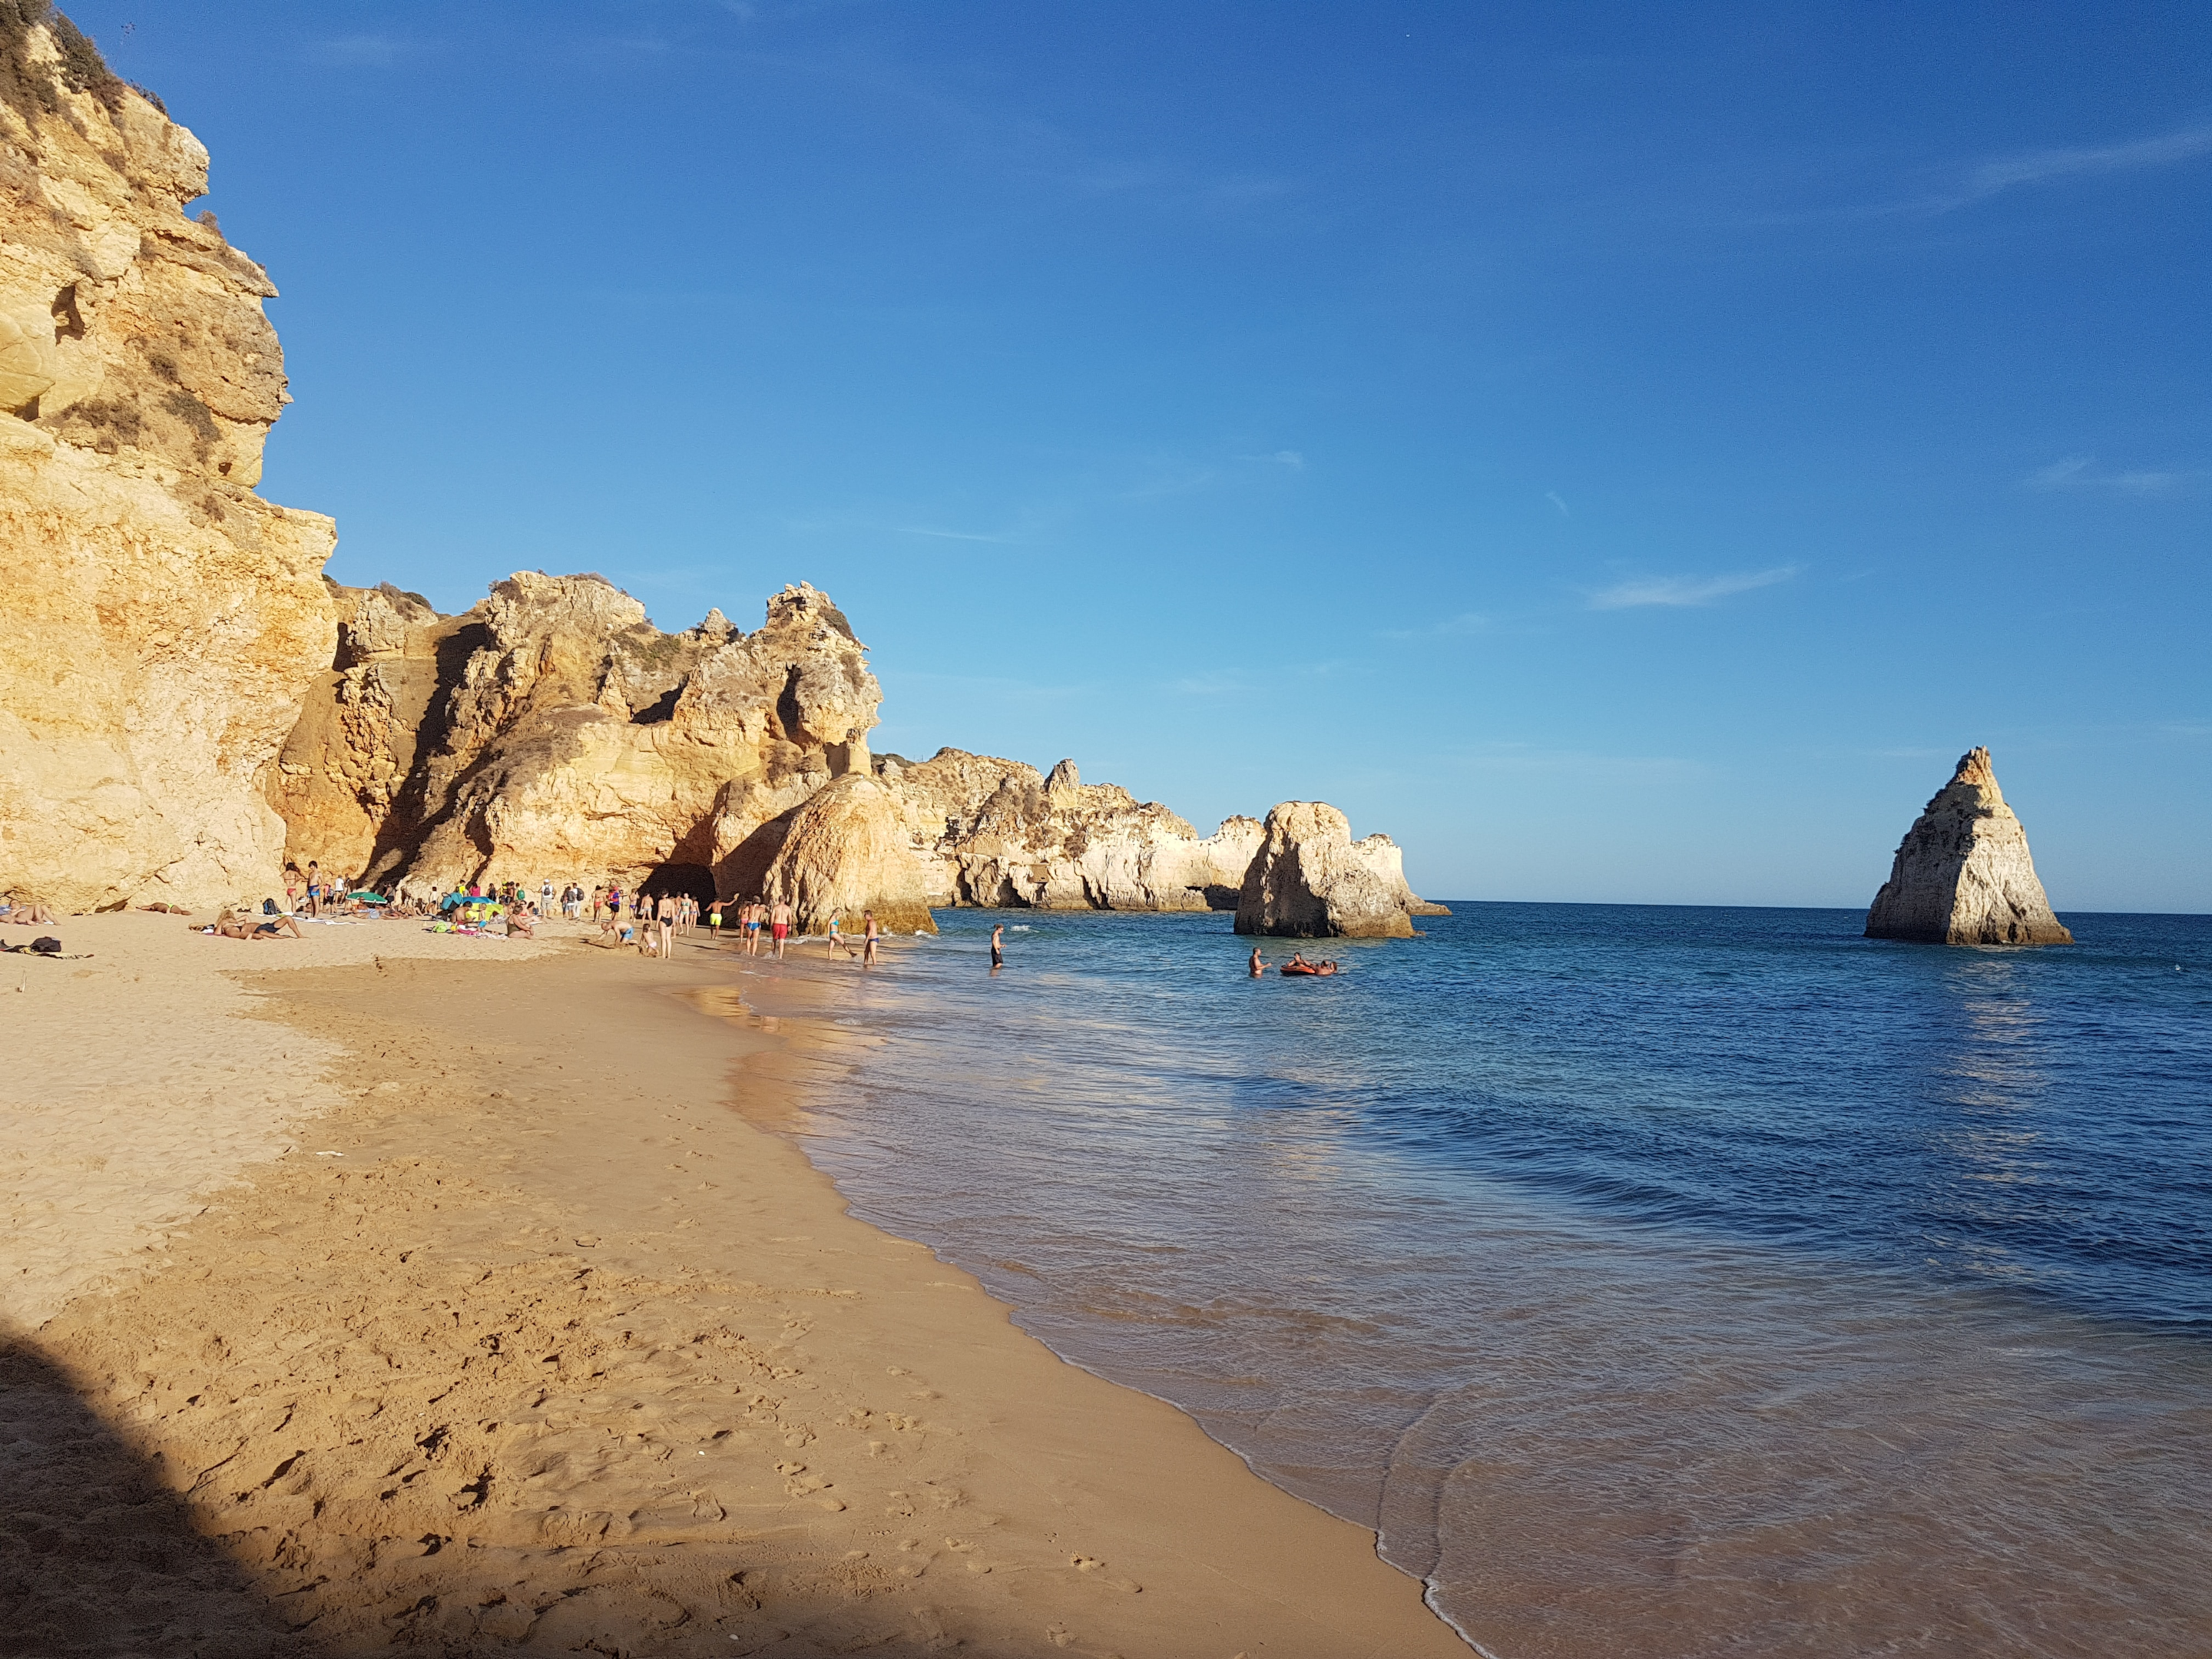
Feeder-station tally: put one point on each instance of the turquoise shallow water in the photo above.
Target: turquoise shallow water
(1656, 1281)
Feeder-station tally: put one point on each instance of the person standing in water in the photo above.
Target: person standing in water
(714, 923)
(666, 915)
(870, 932)
(833, 942)
(997, 947)
(1259, 963)
(779, 926)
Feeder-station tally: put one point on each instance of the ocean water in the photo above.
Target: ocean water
(1655, 1280)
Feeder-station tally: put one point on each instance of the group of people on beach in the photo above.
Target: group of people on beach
(750, 918)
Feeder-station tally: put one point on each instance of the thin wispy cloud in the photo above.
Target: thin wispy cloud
(2082, 472)
(1965, 185)
(954, 535)
(2039, 166)
(1685, 591)
(1292, 458)
(1552, 496)
(1176, 186)
(1464, 625)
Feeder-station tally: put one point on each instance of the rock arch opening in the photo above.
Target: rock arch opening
(697, 880)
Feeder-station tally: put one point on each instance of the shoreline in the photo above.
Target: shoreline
(662, 1457)
(807, 986)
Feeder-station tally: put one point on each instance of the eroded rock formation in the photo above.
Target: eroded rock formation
(998, 832)
(183, 699)
(1962, 875)
(847, 851)
(1310, 880)
(554, 731)
(162, 620)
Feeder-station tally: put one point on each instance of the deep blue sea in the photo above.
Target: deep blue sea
(1655, 1279)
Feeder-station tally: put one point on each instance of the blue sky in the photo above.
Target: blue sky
(1626, 453)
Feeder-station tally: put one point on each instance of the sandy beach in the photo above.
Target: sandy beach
(391, 1289)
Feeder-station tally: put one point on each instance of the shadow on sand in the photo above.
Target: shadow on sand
(99, 1559)
(97, 1555)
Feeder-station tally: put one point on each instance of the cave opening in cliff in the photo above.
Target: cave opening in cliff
(662, 708)
(697, 880)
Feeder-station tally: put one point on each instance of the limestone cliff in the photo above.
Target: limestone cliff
(997, 832)
(1962, 875)
(161, 619)
(1310, 880)
(553, 731)
(846, 852)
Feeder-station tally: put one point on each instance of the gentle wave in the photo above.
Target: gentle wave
(1668, 1280)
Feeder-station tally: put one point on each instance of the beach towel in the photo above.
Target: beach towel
(48, 947)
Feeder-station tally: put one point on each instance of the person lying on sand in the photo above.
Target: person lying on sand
(230, 925)
(29, 912)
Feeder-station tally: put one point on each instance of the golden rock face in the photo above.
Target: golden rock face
(162, 620)
(553, 733)
(1962, 875)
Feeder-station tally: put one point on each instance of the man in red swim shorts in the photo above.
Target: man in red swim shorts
(779, 927)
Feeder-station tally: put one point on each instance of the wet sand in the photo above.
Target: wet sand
(518, 1337)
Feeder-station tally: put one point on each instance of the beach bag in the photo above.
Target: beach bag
(47, 947)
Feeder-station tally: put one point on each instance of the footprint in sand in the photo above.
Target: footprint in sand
(1059, 1635)
(1092, 1565)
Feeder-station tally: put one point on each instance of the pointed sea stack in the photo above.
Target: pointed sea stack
(1963, 875)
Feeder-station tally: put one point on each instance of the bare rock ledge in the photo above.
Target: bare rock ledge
(1310, 879)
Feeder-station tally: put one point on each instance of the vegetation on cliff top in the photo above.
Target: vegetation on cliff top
(34, 90)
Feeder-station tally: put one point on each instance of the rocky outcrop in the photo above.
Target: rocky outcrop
(342, 768)
(185, 701)
(999, 833)
(554, 732)
(846, 852)
(1962, 875)
(162, 621)
(1310, 880)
